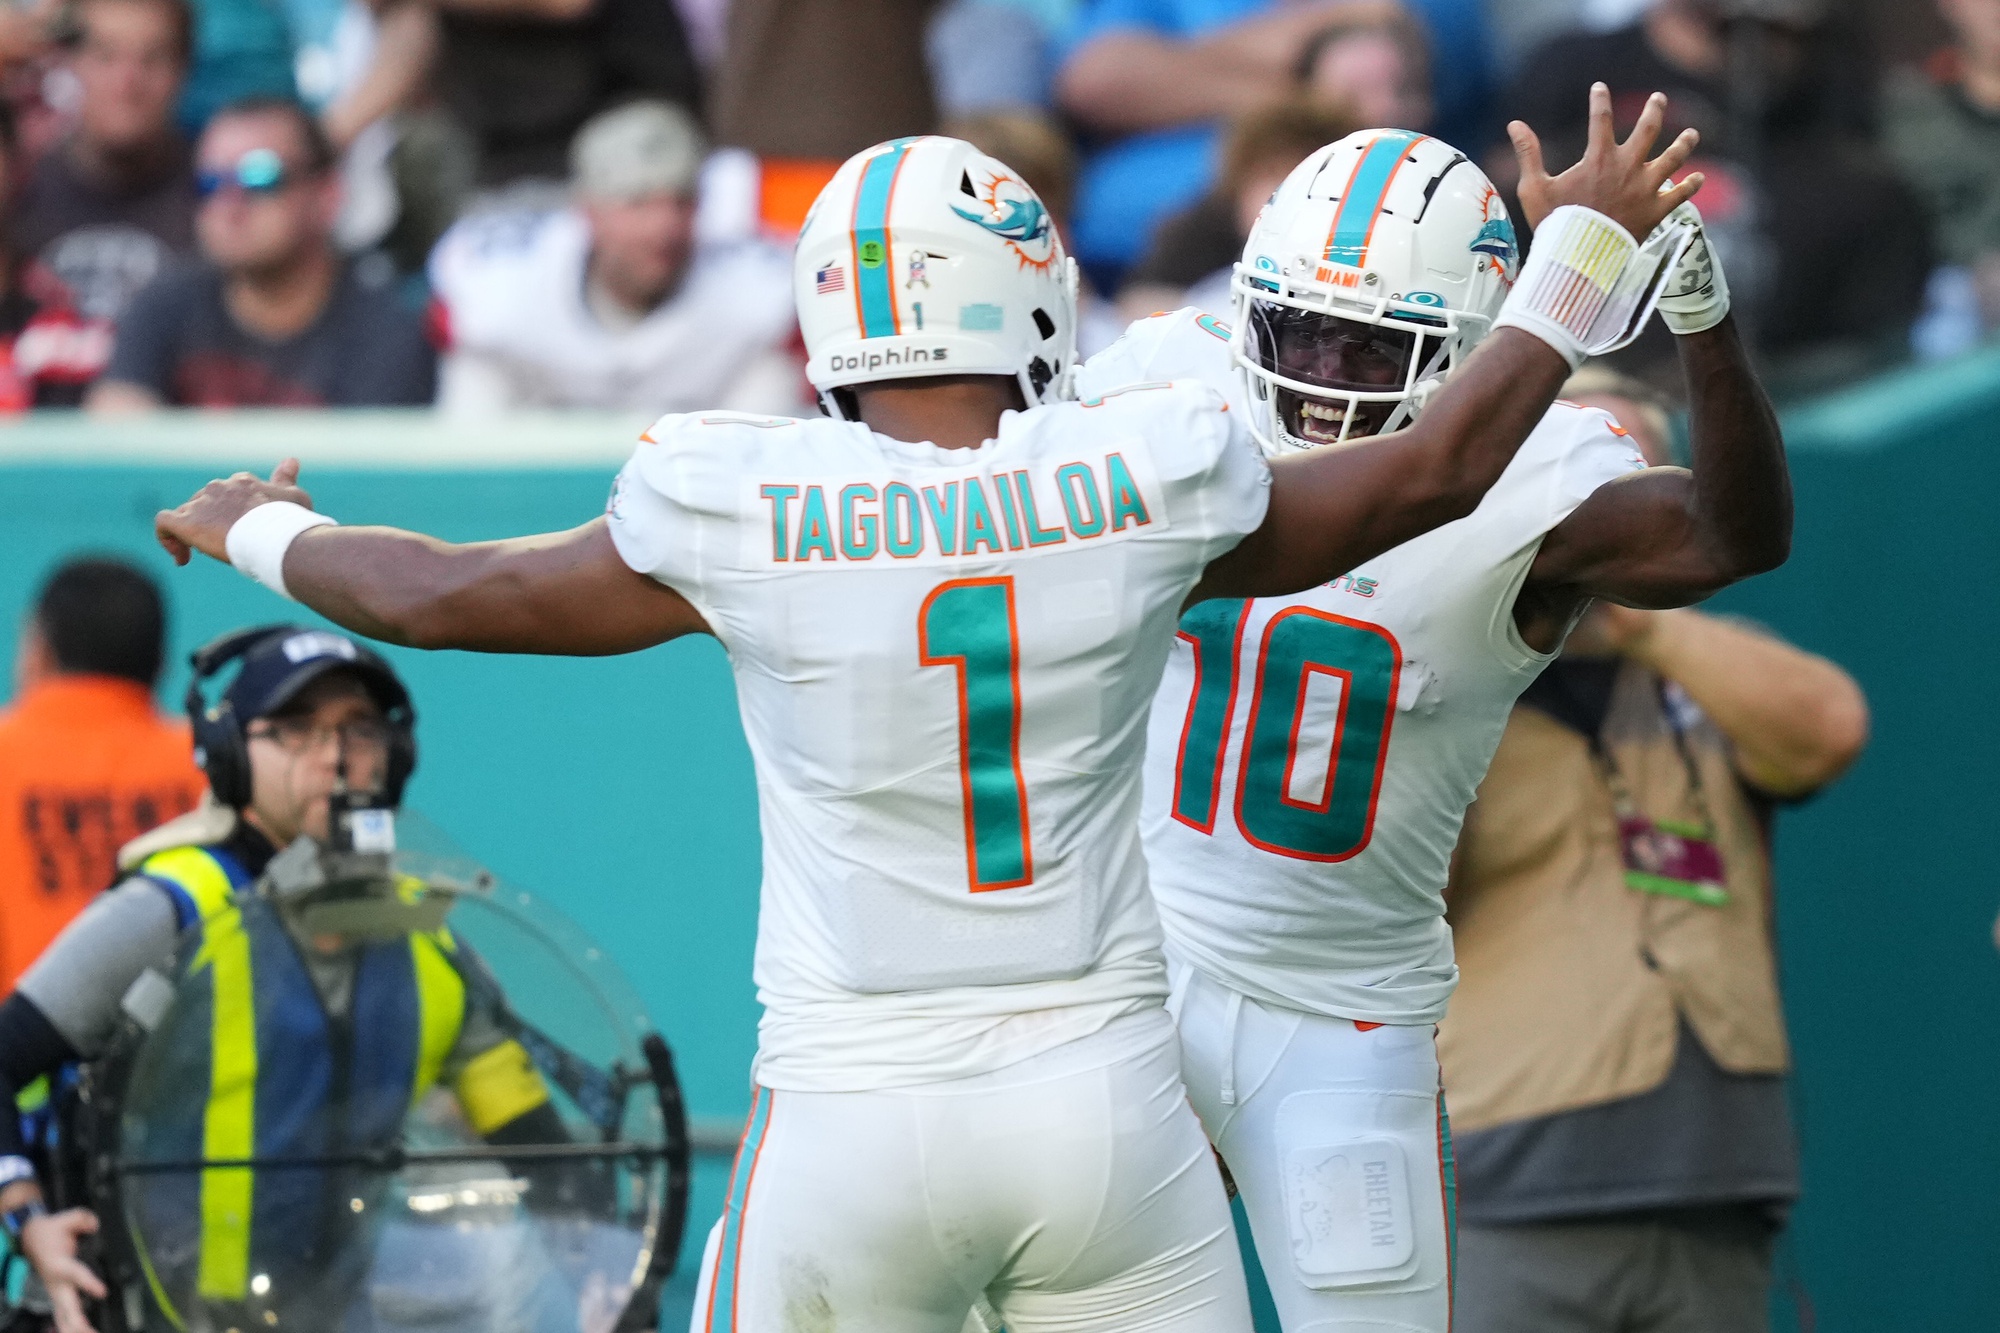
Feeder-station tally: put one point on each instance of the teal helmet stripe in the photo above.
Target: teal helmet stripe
(875, 282)
(1354, 220)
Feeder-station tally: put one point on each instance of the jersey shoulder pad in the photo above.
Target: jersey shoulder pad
(1177, 344)
(1571, 428)
(695, 463)
(1159, 397)
(1579, 449)
(723, 432)
(1186, 423)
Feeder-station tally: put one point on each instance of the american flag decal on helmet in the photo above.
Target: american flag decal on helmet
(832, 278)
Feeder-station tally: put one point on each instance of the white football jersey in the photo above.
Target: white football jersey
(945, 660)
(510, 288)
(1310, 758)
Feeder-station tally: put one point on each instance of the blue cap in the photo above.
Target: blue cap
(288, 658)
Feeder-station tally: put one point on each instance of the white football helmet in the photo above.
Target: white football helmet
(924, 256)
(1367, 279)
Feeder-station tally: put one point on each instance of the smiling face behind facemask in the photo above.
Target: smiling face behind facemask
(296, 755)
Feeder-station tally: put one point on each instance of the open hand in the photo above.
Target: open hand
(203, 523)
(1614, 178)
(49, 1242)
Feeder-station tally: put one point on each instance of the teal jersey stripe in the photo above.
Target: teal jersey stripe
(1354, 220)
(875, 283)
(1448, 1166)
(721, 1317)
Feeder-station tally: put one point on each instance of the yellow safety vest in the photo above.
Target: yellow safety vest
(279, 1036)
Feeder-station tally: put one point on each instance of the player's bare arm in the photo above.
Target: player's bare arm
(1333, 509)
(1666, 537)
(1669, 536)
(560, 592)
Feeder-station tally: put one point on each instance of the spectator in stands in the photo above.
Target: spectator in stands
(242, 48)
(24, 31)
(1379, 68)
(522, 76)
(1942, 125)
(1035, 147)
(1155, 78)
(86, 761)
(364, 68)
(275, 317)
(48, 353)
(613, 303)
(853, 74)
(1194, 253)
(989, 55)
(1825, 245)
(110, 206)
(1616, 1051)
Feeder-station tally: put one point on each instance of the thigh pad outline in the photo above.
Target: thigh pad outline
(1361, 1188)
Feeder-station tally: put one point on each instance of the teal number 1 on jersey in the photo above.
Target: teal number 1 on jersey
(968, 624)
(1352, 667)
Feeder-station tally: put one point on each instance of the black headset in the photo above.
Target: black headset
(222, 749)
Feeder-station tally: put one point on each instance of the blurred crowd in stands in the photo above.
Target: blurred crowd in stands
(494, 204)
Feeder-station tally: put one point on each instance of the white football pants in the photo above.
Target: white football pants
(1073, 1191)
(1337, 1139)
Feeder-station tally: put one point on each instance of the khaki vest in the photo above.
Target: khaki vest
(1558, 1005)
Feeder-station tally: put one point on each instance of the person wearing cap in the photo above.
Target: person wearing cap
(275, 315)
(308, 709)
(618, 301)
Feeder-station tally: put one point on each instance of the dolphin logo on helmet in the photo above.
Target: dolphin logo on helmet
(1015, 215)
(1496, 238)
(1021, 220)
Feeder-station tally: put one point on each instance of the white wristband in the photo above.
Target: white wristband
(257, 542)
(1588, 288)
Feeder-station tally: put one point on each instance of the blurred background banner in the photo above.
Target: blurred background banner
(621, 788)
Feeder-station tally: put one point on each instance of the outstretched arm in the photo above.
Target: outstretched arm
(1666, 536)
(1334, 508)
(561, 592)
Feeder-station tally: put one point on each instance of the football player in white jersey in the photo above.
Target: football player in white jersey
(1310, 757)
(947, 608)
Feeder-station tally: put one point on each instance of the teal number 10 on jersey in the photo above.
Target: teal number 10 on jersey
(1321, 708)
(969, 624)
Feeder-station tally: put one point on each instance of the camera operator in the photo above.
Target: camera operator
(320, 1043)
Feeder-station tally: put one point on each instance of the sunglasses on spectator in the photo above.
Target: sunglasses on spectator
(259, 171)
